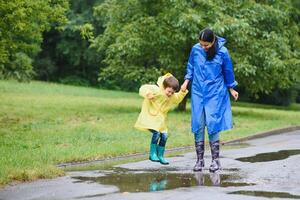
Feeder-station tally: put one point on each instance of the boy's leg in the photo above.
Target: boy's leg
(161, 148)
(199, 144)
(163, 139)
(214, 143)
(153, 146)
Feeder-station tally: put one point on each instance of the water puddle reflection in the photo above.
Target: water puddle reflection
(265, 157)
(151, 181)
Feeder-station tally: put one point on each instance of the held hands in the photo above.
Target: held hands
(184, 86)
(234, 94)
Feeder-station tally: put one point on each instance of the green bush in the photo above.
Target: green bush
(297, 88)
(74, 80)
(280, 97)
(44, 68)
(22, 24)
(20, 68)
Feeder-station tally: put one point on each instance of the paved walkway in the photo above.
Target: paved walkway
(263, 168)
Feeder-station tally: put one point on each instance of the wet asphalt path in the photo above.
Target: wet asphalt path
(265, 168)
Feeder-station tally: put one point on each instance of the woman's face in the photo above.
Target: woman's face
(205, 45)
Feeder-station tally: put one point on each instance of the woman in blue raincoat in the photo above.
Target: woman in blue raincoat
(210, 72)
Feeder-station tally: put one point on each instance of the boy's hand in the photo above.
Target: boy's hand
(234, 94)
(150, 96)
(184, 86)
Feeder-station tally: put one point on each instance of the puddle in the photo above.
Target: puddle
(265, 157)
(150, 181)
(267, 194)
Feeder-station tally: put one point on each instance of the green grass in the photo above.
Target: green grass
(43, 124)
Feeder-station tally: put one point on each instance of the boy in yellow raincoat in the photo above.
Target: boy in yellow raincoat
(158, 100)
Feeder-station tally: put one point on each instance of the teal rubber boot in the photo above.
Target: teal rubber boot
(153, 153)
(161, 151)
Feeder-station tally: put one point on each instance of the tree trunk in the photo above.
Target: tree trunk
(182, 104)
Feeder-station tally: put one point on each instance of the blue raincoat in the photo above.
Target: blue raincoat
(211, 80)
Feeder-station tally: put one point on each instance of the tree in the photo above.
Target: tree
(143, 39)
(264, 41)
(22, 24)
(66, 54)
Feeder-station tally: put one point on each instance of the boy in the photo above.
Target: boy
(158, 100)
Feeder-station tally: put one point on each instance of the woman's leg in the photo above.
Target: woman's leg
(214, 143)
(161, 148)
(214, 137)
(153, 146)
(199, 144)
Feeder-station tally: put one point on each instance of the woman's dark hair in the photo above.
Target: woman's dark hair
(207, 35)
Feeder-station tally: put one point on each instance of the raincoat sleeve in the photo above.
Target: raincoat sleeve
(227, 70)
(190, 67)
(178, 96)
(146, 89)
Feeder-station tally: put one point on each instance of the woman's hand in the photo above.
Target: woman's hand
(184, 85)
(234, 93)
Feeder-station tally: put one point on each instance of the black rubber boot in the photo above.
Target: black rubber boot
(215, 149)
(200, 153)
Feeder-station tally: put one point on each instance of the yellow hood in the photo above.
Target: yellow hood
(161, 80)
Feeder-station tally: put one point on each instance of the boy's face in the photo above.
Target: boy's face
(169, 91)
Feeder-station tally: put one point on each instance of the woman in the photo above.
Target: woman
(210, 70)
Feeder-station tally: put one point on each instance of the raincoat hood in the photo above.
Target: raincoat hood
(221, 42)
(161, 79)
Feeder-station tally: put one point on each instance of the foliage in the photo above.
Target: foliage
(22, 24)
(264, 41)
(297, 89)
(68, 51)
(20, 67)
(126, 43)
(143, 39)
(44, 67)
(283, 97)
(74, 80)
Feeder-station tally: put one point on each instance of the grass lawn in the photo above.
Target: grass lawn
(43, 124)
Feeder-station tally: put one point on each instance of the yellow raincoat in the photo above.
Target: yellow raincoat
(154, 112)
